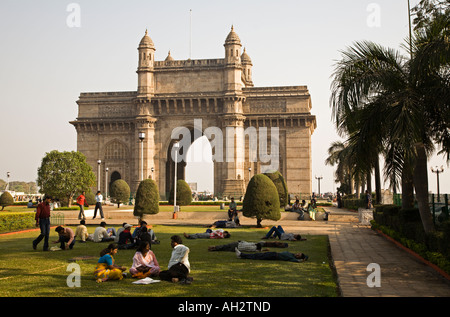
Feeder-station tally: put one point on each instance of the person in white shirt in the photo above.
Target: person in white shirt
(98, 204)
(179, 266)
(101, 235)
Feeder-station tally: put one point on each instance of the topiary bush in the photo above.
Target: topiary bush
(6, 199)
(280, 184)
(119, 192)
(184, 194)
(147, 199)
(261, 200)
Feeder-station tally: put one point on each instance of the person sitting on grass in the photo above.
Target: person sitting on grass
(126, 240)
(106, 268)
(82, 231)
(245, 246)
(101, 234)
(179, 266)
(281, 256)
(209, 234)
(278, 232)
(144, 262)
(66, 238)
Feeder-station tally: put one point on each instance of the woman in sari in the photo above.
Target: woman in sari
(106, 268)
(144, 262)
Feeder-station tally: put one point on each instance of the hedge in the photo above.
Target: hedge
(13, 221)
(405, 226)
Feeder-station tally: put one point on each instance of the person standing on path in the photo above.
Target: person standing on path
(81, 201)
(98, 205)
(42, 218)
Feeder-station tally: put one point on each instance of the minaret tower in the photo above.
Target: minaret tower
(233, 118)
(146, 50)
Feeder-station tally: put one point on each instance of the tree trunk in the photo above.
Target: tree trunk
(407, 187)
(377, 180)
(420, 177)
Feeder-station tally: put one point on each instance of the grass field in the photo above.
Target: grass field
(25, 272)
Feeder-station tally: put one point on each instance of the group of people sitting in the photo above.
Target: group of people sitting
(304, 207)
(145, 263)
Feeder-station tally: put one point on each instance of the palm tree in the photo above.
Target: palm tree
(393, 105)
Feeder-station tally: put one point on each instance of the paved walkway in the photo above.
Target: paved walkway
(353, 246)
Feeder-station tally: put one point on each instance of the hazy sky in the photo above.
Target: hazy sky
(50, 54)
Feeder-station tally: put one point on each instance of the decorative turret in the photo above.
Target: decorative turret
(232, 48)
(145, 67)
(246, 69)
(233, 67)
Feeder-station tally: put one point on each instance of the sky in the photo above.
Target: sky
(51, 51)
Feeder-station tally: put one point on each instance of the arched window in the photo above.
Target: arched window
(115, 150)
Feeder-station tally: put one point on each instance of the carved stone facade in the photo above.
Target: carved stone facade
(171, 95)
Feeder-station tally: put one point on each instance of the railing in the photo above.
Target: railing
(439, 205)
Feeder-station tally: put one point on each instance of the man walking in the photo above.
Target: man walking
(42, 218)
(81, 201)
(98, 205)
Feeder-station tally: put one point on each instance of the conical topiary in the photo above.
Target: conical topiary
(184, 194)
(6, 199)
(261, 199)
(119, 192)
(147, 199)
(281, 186)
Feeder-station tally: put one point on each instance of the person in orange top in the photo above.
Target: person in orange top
(81, 200)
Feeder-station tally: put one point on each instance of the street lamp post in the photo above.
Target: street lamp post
(7, 180)
(106, 182)
(141, 138)
(319, 178)
(175, 209)
(99, 162)
(438, 171)
(249, 174)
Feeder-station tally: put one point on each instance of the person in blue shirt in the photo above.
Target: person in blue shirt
(106, 268)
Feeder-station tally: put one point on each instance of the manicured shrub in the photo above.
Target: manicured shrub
(119, 192)
(281, 186)
(261, 199)
(147, 198)
(6, 199)
(184, 194)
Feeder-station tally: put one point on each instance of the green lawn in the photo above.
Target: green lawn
(26, 272)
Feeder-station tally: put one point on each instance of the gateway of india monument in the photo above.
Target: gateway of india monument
(128, 135)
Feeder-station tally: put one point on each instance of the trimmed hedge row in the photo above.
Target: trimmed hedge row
(13, 221)
(405, 226)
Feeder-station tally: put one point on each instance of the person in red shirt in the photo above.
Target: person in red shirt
(42, 218)
(81, 200)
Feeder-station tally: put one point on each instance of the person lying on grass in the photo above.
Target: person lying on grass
(282, 256)
(209, 234)
(245, 246)
(278, 232)
(106, 268)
